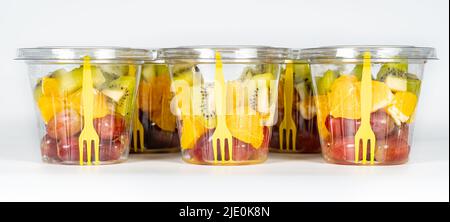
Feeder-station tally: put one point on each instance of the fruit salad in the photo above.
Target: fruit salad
(58, 92)
(158, 122)
(303, 113)
(396, 84)
(249, 94)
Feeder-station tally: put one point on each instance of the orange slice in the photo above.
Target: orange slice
(247, 128)
(403, 107)
(101, 107)
(191, 131)
(344, 98)
(49, 106)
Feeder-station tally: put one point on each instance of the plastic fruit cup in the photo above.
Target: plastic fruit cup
(248, 99)
(158, 122)
(396, 82)
(303, 112)
(56, 76)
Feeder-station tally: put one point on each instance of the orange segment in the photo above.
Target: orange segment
(403, 106)
(247, 128)
(101, 108)
(382, 95)
(49, 87)
(163, 117)
(344, 98)
(49, 106)
(191, 131)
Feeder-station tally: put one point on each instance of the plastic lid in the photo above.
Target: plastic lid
(77, 53)
(377, 52)
(227, 53)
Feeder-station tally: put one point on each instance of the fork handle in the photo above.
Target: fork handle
(288, 91)
(87, 93)
(366, 90)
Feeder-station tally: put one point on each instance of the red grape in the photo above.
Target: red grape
(49, 147)
(68, 150)
(343, 150)
(382, 124)
(64, 125)
(109, 127)
(395, 149)
(341, 127)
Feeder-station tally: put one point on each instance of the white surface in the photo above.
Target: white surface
(165, 177)
(288, 23)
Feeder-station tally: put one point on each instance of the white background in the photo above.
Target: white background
(259, 22)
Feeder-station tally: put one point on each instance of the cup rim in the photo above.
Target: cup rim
(79, 52)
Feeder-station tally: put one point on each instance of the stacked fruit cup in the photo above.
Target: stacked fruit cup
(396, 81)
(154, 101)
(56, 76)
(303, 112)
(250, 81)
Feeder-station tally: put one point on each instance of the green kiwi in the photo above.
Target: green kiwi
(121, 91)
(148, 72)
(259, 94)
(394, 75)
(188, 73)
(357, 71)
(302, 72)
(413, 84)
(115, 70)
(69, 82)
(324, 83)
(204, 106)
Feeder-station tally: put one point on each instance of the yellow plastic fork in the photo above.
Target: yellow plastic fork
(88, 136)
(287, 126)
(138, 128)
(365, 133)
(222, 134)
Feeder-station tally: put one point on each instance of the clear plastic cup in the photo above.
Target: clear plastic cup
(303, 111)
(225, 101)
(396, 73)
(155, 117)
(82, 123)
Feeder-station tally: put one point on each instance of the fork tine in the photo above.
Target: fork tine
(357, 143)
(372, 150)
(88, 152)
(222, 149)
(364, 157)
(96, 152)
(230, 148)
(281, 134)
(135, 144)
(294, 133)
(80, 149)
(141, 139)
(215, 150)
(288, 139)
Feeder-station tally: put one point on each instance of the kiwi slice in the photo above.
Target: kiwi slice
(115, 70)
(394, 75)
(148, 72)
(204, 106)
(69, 82)
(324, 83)
(302, 72)
(357, 71)
(189, 73)
(121, 91)
(259, 94)
(413, 84)
(304, 90)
